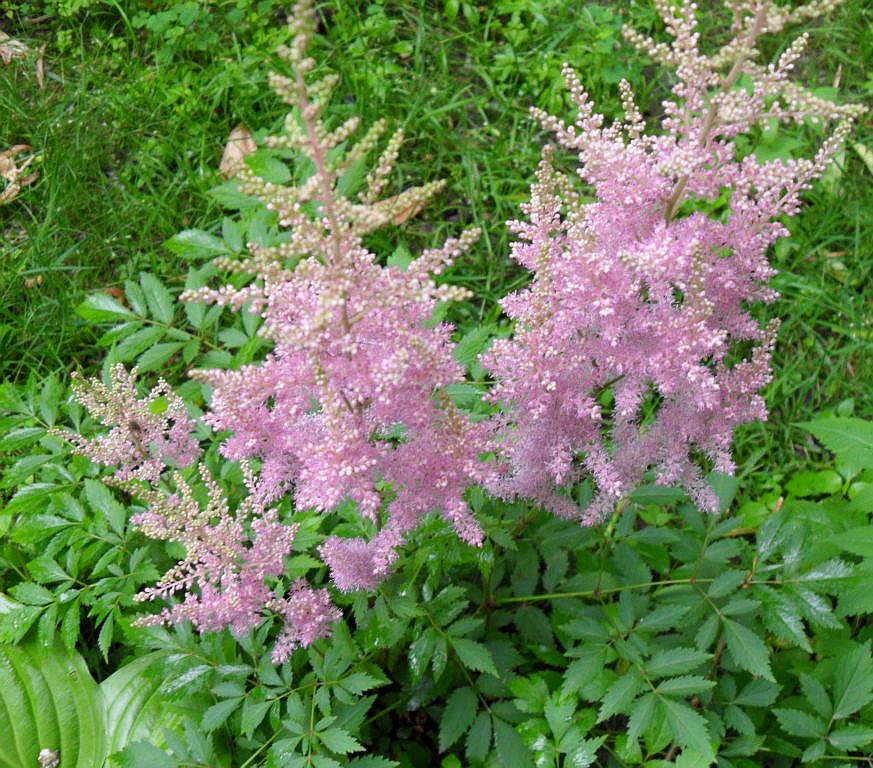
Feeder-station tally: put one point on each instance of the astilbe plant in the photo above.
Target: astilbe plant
(645, 290)
(350, 404)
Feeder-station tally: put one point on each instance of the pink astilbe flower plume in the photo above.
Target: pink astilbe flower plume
(644, 292)
(350, 400)
(147, 435)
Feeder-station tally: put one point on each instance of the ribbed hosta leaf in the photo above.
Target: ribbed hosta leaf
(48, 700)
(135, 710)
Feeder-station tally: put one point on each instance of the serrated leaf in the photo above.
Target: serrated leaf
(850, 438)
(853, 682)
(641, 715)
(620, 695)
(158, 355)
(685, 685)
(479, 737)
(474, 655)
(510, 748)
(747, 649)
(688, 728)
(816, 695)
(458, 715)
(157, 296)
(851, 737)
(339, 740)
(799, 723)
(757, 693)
(725, 583)
(141, 754)
(661, 619)
(215, 716)
(102, 308)
(676, 661)
(195, 243)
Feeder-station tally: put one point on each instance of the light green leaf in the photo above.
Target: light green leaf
(158, 297)
(195, 243)
(747, 649)
(141, 754)
(850, 438)
(102, 308)
(851, 737)
(685, 685)
(218, 713)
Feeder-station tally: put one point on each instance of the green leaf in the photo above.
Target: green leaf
(195, 243)
(858, 541)
(851, 737)
(269, 168)
(748, 651)
(850, 438)
(102, 308)
(479, 737)
(620, 694)
(254, 710)
(141, 754)
(218, 713)
(158, 355)
(510, 748)
(473, 343)
(676, 661)
(816, 695)
(458, 715)
(339, 741)
(48, 700)
(725, 583)
(135, 709)
(799, 723)
(158, 298)
(474, 655)
(641, 715)
(853, 682)
(688, 728)
(585, 753)
(685, 685)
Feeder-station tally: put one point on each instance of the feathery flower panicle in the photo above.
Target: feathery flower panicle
(643, 291)
(147, 435)
(351, 395)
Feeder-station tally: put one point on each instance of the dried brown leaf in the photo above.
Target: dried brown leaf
(40, 67)
(11, 48)
(239, 144)
(13, 173)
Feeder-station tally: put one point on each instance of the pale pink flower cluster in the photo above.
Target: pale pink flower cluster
(350, 403)
(147, 436)
(646, 289)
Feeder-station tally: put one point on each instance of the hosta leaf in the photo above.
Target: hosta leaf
(48, 700)
(747, 649)
(458, 715)
(135, 709)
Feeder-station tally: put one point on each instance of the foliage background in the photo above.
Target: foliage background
(456, 656)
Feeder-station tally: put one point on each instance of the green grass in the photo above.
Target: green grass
(132, 123)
